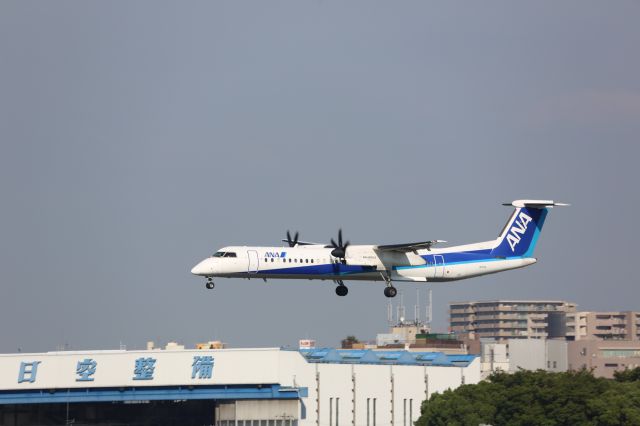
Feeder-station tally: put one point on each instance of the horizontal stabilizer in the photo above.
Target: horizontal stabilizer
(535, 204)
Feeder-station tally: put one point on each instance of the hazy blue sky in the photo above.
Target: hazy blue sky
(138, 137)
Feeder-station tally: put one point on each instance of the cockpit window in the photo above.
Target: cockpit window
(224, 254)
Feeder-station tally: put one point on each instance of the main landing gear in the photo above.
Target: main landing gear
(209, 283)
(389, 290)
(342, 289)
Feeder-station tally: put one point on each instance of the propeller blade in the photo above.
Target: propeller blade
(333, 243)
(340, 237)
(295, 238)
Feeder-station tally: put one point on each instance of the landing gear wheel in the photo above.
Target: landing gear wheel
(210, 285)
(390, 291)
(342, 290)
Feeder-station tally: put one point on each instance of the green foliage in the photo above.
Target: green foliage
(627, 375)
(351, 339)
(537, 398)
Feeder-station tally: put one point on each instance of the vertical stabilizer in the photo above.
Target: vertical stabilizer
(520, 235)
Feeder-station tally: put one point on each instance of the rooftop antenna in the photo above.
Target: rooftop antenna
(401, 309)
(429, 309)
(416, 308)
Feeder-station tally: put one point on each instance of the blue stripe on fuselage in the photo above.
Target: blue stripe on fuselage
(454, 258)
(325, 269)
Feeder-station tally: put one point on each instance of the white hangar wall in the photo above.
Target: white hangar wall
(247, 386)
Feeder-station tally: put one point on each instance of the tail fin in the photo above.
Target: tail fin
(520, 235)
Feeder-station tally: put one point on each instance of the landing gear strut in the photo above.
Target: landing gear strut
(342, 289)
(389, 290)
(209, 283)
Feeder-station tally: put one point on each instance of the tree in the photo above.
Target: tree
(627, 375)
(536, 398)
(348, 342)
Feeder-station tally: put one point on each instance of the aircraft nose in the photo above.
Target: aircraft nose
(203, 268)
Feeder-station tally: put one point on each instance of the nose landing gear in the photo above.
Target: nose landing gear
(209, 283)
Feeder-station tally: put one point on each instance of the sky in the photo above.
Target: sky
(136, 138)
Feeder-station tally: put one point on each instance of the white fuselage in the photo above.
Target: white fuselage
(362, 262)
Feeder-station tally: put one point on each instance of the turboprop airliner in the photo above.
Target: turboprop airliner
(414, 262)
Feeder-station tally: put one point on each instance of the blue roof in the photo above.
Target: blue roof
(369, 356)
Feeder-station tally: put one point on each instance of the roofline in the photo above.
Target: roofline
(510, 301)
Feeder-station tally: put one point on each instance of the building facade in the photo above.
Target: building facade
(618, 325)
(509, 319)
(228, 387)
(603, 357)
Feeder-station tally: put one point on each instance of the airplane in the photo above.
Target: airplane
(409, 262)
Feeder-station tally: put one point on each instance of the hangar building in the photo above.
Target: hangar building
(227, 387)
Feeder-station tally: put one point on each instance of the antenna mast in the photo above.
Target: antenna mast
(429, 309)
(416, 308)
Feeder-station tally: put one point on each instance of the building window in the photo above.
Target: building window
(368, 417)
(404, 412)
(330, 411)
(374, 411)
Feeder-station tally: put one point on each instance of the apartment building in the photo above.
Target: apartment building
(617, 325)
(510, 319)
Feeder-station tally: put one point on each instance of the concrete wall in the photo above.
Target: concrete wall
(538, 354)
(604, 357)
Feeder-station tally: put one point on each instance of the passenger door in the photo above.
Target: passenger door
(438, 266)
(253, 261)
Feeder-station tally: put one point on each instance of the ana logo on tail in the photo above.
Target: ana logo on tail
(518, 229)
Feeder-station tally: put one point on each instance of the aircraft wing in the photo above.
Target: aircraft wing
(407, 247)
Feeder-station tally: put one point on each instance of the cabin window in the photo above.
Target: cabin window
(272, 259)
(306, 261)
(289, 260)
(311, 260)
(295, 260)
(266, 260)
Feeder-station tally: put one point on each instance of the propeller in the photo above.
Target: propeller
(339, 249)
(292, 242)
